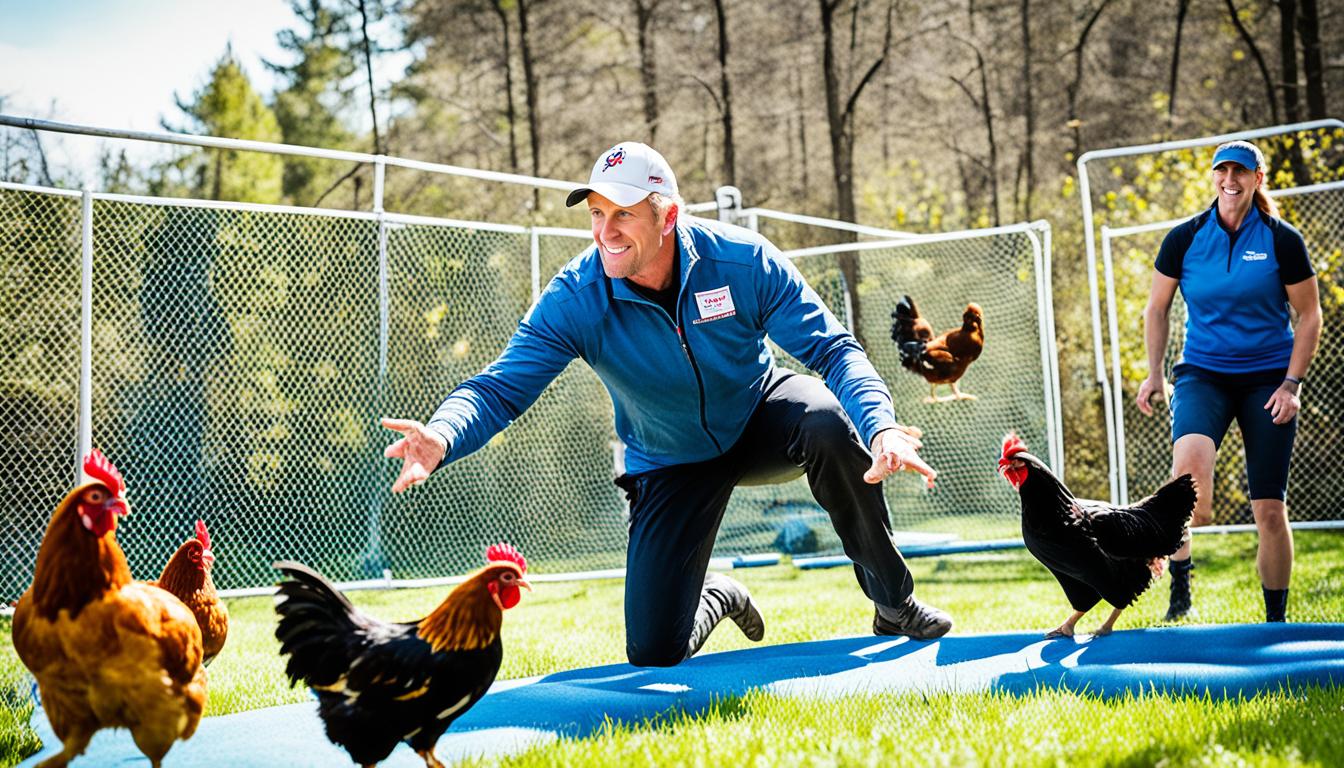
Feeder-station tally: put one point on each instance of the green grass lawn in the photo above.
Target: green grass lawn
(577, 624)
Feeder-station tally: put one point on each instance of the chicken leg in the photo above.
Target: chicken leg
(1066, 629)
(428, 756)
(957, 394)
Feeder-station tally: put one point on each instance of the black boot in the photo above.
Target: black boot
(722, 598)
(1179, 605)
(912, 619)
(1276, 604)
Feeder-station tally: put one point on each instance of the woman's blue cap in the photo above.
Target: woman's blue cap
(1242, 156)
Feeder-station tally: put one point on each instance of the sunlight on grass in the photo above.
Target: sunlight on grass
(581, 624)
(1045, 728)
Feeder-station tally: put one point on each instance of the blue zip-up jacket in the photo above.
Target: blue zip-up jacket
(682, 387)
(1237, 317)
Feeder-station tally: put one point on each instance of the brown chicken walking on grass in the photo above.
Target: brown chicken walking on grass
(187, 577)
(107, 651)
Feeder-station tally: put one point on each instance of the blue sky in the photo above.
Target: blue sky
(117, 63)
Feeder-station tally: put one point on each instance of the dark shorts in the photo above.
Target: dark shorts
(1205, 402)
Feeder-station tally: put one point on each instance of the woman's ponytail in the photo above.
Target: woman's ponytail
(1265, 203)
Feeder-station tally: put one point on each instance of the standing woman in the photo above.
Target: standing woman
(1239, 267)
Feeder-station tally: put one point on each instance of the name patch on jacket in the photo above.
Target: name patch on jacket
(1254, 256)
(714, 305)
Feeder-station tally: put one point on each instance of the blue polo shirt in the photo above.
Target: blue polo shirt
(1237, 317)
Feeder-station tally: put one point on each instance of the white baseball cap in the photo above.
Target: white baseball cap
(626, 174)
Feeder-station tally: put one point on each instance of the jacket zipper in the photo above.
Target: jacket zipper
(699, 382)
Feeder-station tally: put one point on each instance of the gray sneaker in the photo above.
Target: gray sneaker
(912, 619)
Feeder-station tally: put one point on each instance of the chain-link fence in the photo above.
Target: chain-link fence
(1315, 482)
(242, 354)
(1002, 271)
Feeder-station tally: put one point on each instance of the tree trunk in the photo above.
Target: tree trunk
(530, 96)
(509, 114)
(1309, 29)
(1074, 122)
(802, 132)
(648, 64)
(1182, 8)
(1288, 59)
(1029, 112)
(840, 119)
(1292, 109)
(725, 97)
(368, 69)
(1271, 98)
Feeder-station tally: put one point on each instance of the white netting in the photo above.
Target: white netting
(39, 381)
(963, 439)
(1315, 483)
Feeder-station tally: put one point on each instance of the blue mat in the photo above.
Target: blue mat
(1222, 661)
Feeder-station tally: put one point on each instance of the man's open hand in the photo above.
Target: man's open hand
(895, 450)
(420, 450)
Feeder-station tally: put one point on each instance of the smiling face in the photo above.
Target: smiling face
(1236, 185)
(634, 241)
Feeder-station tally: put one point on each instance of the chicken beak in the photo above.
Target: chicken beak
(207, 558)
(523, 583)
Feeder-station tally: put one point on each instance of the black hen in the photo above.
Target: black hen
(1096, 552)
(380, 683)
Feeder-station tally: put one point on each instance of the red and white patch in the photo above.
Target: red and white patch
(714, 305)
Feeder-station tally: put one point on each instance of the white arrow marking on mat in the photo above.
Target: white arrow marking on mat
(918, 671)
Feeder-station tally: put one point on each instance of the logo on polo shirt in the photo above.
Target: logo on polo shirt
(1254, 256)
(714, 305)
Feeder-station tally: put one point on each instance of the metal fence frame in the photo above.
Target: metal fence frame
(1108, 235)
(1090, 239)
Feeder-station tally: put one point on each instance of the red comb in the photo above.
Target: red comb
(202, 535)
(505, 552)
(1012, 444)
(99, 468)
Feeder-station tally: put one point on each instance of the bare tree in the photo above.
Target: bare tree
(725, 96)
(1182, 8)
(530, 96)
(986, 110)
(1075, 123)
(1271, 98)
(368, 69)
(507, 60)
(840, 109)
(1288, 59)
(648, 63)
(1309, 29)
(1029, 112)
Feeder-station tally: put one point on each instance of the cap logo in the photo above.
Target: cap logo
(655, 179)
(614, 159)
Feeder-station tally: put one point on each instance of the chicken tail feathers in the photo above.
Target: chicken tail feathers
(904, 332)
(317, 626)
(1155, 527)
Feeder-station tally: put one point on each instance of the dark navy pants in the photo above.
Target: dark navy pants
(1205, 402)
(799, 427)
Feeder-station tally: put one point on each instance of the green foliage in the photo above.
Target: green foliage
(312, 98)
(228, 106)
